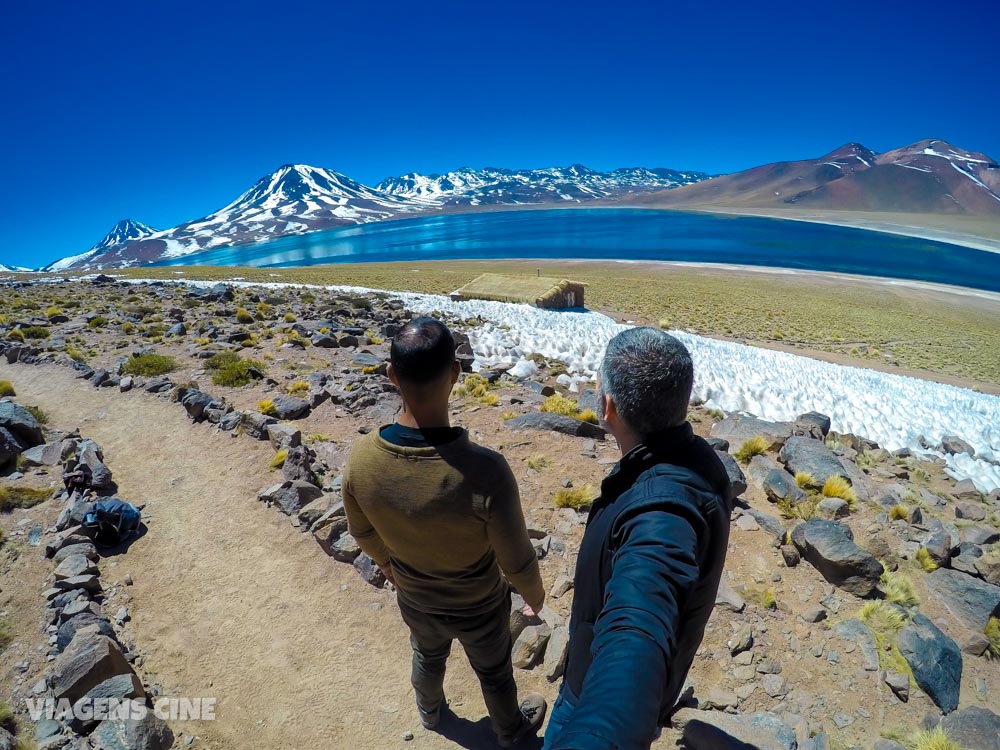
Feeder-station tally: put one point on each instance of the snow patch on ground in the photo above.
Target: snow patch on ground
(894, 410)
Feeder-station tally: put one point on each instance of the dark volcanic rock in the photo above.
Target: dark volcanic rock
(556, 423)
(829, 546)
(738, 428)
(289, 407)
(90, 660)
(802, 454)
(737, 480)
(298, 466)
(290, 497)
(973, 727)
(935, 659)
(369, 571)
(21, 424)
(147, 733)
(970, 600)
(255, 424)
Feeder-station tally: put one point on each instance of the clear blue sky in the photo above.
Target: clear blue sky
(164, 112)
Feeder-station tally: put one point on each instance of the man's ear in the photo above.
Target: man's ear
(456, 370)
(610, 410)
(391, 373)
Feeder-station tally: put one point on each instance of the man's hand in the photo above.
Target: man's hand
(387, 572)
(529, 610)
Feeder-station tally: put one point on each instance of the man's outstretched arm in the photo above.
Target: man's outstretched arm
(654, 571)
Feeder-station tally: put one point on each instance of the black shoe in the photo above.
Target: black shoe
(533, 709)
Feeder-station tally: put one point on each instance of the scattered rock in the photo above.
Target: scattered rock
(829, 546)
(530, 645)
(802, 454)
(555, 653)
(147, 733)
(89, 660)
(856, 632)
(727, 599)
(289, 407)
(290, 496)
(898, 683)
(973, 727)
(935, 659)
(283, 436)
(702, 730)
(952, 444)
(737, 428)
(737, 481)
(556, 423)
(370, 572)
(968, 599)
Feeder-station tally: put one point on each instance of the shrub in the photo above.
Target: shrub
(264, 310)
(925, 560)
(148, 365)
(40, 416)
(898, 589)
(459, 391)
(717, 414)
(21, 497)
(298, 388)
(279, 458)
(766, 598)
(804, 480)
(589, 415)
(267, 407)
(6, 636)
(489, 399)
(580, 498)
(52, 311)
(220, 360)
(561, 405)
(128, 327)
(837, 486)
(992, 633)
(237, 374)
(35, 332)
(289, 318)
(76, 354)
(755, 446)
(6, 388)
(370, 369)
(15, 335)
(99, 322)
(537, 461)
(243, 315)
(934, 739)
(505, 415)
(664, 323)
(898, 512)
(320, 437)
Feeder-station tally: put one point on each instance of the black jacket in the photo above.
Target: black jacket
(646, 580)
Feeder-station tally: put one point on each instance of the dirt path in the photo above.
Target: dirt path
(230, 601)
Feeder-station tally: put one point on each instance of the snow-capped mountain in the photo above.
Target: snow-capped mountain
(930, 176)
(122, 232)
(491, 186)
(297, 199)
(4, 268)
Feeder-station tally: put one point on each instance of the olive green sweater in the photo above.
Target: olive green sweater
(446, 518)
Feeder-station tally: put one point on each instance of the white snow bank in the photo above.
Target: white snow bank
(893, 410)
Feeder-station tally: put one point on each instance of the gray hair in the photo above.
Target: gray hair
(649, 376)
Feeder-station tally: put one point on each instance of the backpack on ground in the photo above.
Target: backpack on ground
(111, 522)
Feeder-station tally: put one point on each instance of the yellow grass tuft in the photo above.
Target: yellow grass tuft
(992, 633)
(279, 458)
(490, 399)
(505, 415)
(21, 498)
(243, 315)
(6, 388)
(267, 407)
(589, 415)
(577, 498)
(926, 561)
(898, 589)
(560, 405)
(755, 446)
(537, 461)
(935, 739)
(298, 388)
(837, 486)
(804, 480)
(897, 513)
(881, 618)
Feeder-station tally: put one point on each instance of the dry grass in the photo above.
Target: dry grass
(804, 480)
(926, 561)
(755, 446)
(589, 415)
(279, 458)
(266, 407)
(898, 513)
(560, 405)
(6, 388)
(21, 497)
(836, 486)
(992, 633)
(537, 461)
(898, 589)
(577, 498)
(149, 365)
(934, 739)
(532, 290)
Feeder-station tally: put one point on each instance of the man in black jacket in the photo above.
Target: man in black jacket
(652, 556)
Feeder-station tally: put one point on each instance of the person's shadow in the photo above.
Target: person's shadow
(477, 735)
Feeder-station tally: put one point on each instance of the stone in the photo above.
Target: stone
(86, 549)
(89, 583)
(177, 329)
(89, 660)
(555, 653)
(159, 384)
(146, 733)
(561, 586)
(21, 423)
(49, 454)
(898, 683)
(722, 731)
(727, 599)
(283, 436)
(779, 485)
(938, 546)
(833, 507)
(966, 490)
(973, 727)
(968, 599)
(935, 659)
(970, 511)
(769, 523)
(979, 535)
(290, 407)
(324, 341)
(813, 421)
(75, 565)
(814, 614)
(737, 480)
(298, 466)
(369, 571)
(952, 444)
(975, 644)
(313, 512)
(737, 428)
(345, 549)
(790, 555)
(547, 421)
(988, 566)
(196, 403)
(530, 646)
(829, 547)
(126, 384)
(89, 455)
(290, 496)
(774, 685)
(255, 424)
(118, 688)
(855, 631)
(742, 641)
(747, 523)
(718, 699)
(87, 619)
(802, 454)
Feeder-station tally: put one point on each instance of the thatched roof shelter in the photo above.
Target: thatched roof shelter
(540, 291)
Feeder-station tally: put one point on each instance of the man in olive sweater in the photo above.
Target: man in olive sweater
(441, 516)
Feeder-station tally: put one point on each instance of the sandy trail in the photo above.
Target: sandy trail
(230, 601)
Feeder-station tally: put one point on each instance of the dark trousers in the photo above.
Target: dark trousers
(487, 643)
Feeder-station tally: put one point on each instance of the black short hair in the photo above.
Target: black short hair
(422, 351)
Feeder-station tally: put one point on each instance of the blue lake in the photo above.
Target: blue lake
(623, 234)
